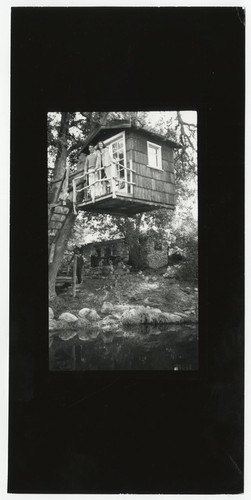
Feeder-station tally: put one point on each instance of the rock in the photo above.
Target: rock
(108, 320)
(69, 317)
(82, 323)
(148, 315)
(108, 324)
(67, 335)
(83, 312)
(134, 316)
(172, 318)
(51, 313)
(52, 324)
(58, 325)
(63, 325)
(182, 315)
(93, 315)
(107, 307)
(90, 314)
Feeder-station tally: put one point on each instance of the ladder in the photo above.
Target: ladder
(57, 215)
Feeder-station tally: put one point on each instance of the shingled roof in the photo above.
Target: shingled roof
(103, 132)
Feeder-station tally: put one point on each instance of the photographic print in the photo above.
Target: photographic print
(126, 304)
(123, 240)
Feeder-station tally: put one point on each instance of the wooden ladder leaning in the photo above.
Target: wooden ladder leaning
(56, 219)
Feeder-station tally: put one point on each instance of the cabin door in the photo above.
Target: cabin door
(117, 150)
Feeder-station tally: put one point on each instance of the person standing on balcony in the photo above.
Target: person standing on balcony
(91, 167)
(108, 164)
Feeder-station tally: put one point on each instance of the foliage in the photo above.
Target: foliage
(178, 228)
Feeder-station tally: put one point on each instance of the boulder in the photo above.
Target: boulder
(83, 323)
(83, 312)
(148, 315)
(51, 313)
(172, 318)
(182, 315)
(108, 321)
(52, 324)
(69, 317)
(134, 316)
(93, 315)
(58, 325)
(107, 307)
(90, 314)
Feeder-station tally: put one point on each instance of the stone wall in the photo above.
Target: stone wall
(156, 254)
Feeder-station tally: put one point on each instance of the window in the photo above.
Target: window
(154, 155)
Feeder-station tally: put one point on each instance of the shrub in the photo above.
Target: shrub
(188, 268)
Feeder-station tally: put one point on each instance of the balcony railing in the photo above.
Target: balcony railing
(98, 188)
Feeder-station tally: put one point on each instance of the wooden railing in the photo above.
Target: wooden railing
(115, 184)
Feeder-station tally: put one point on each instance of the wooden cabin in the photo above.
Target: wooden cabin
(144, 172)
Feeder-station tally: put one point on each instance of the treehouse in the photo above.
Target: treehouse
(143, 178)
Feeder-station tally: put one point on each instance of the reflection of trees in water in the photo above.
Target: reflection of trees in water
(148, 348)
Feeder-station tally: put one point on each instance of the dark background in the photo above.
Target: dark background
(118, 432)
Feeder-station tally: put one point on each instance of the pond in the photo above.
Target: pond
(142, 348)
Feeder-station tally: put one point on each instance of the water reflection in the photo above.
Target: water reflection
(145, 348)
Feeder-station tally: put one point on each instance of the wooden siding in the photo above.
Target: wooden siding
(154, 196)
(151, 184)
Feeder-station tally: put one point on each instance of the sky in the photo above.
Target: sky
(188, 116)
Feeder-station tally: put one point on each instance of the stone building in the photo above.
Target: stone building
(118, 250)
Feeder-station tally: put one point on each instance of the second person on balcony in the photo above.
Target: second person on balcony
(108, 166)
(91, 166)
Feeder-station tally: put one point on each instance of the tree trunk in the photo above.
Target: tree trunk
(60, 169)
(60, 163)
(130, 228)
(60, 248)
(65, 232)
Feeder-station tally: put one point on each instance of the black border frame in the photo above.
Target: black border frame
(170, 434)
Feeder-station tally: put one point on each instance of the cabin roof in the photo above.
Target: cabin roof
(103, 132)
